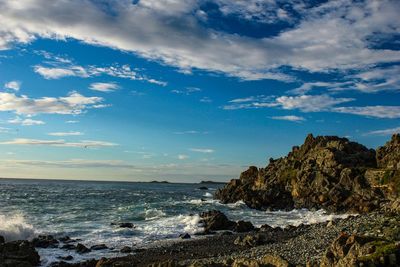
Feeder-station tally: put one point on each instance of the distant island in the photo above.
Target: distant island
(212, 182)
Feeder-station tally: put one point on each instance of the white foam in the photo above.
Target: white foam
(152, 214)
(14, 227)
(208, 195)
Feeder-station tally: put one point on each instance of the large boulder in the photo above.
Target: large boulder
(18, 253)
(215, 220)
(325, 172)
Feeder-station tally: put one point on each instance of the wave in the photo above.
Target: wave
(152, 214)
(15, 228)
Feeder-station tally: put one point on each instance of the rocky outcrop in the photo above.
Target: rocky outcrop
(18, 253)
(354, 250)
(325, 172)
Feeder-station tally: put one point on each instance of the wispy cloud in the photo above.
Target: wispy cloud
(183, 157)
(72, 121)
(25, 122)
(382, 112)
(70, 133)
(13, 85)
(58, 143)
(305, 103)
(186, 91)
(58, 71)
(104, 87)
(289, 118)
(191, 132)
(74, 103)
(384, 132)
(205, 100)
(202, 150)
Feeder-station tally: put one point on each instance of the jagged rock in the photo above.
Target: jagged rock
(45, 241)
(18, 253)
(353, 250)
(388, 156)
(325, 172)
(215, 220)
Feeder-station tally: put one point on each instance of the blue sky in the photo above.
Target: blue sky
(189, 90)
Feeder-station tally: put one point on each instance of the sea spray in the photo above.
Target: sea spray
(14, 227)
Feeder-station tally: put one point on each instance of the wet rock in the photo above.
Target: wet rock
(80, 248)
(185, 236)
(45, 241)
(69, 247)
(124, 225)
(66, 258)
(19, 254)
(126, 250)
(203, 188)
(98, 247)
(215, 220)
(243, 226)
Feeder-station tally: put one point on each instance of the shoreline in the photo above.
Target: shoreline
(291, 246)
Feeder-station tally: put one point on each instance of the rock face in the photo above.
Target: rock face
(354, 250)
(18, 253)
(325, 172)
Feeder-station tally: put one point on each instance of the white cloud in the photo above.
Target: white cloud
(202, 150)
(186, 91)
(13, 85)
(310, 103)
(183, 157)
(58, 143)
(58, 72)
(382, 112)
(305, 103)
(4, 130)
(68, 70)
(104, 87)
(289, 118)
(72, 121)
(25, 122)
(70, 133)
(169, 31)
(74, 103)
(205, 100)
(384, 132)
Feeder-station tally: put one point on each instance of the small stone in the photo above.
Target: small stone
(185, 236)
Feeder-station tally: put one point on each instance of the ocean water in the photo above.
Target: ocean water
(85, 210)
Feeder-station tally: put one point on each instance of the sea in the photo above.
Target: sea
(85, 210)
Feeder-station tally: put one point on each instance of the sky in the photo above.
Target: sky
(189, 90)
